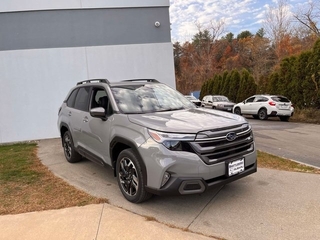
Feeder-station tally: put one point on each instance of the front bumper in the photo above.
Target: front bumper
(189, 174)
(227, 109)
(185, 185)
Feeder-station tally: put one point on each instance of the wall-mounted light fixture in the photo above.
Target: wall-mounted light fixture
(157, 24)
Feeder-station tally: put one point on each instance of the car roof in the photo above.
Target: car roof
(129, 82)
(268, 95)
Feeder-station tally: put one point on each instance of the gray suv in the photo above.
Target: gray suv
(155, 140)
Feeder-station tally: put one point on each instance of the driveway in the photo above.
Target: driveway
(269, 204)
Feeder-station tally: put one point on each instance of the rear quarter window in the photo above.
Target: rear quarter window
(71, 98)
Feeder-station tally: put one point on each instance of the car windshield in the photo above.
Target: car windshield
(149, 98)
(220, 99)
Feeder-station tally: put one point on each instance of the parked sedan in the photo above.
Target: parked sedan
(194, 100)
(264, 106)
(218, 102)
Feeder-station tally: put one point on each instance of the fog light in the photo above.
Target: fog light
(165, 178)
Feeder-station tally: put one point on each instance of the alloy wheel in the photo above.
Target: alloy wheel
(128, 177)
(67, 146)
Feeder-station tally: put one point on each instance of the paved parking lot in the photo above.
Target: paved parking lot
(269, 204)
(296, 141)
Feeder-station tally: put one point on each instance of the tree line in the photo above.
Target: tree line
(280, 58)
(298, 78)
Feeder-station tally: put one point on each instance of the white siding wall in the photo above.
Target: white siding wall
(34, 82)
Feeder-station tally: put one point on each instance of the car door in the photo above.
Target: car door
(97, 130)
(208, 102)
(77, 115)
(247, 107)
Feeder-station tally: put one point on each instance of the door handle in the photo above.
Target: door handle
(85, 119)
(69, 114)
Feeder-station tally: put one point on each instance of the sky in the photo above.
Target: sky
(237, 15)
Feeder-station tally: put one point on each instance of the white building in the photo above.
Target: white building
(47, 46)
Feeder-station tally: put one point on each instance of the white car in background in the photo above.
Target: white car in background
(264, 106)
(194, 100)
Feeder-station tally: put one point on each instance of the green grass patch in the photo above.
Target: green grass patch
(15, 162)
(27, 185)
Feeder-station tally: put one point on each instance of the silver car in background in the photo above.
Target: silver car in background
(218, 102)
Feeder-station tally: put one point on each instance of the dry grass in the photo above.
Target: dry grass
(266, 160)
(27, 185)
(306, 116)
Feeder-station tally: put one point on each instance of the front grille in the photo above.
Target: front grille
(213, 146)
(228, 106)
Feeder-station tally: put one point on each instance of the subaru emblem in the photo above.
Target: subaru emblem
(231, 136)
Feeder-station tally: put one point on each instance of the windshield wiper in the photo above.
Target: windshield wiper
(171, 109)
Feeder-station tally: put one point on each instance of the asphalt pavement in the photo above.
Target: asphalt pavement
(269, 204)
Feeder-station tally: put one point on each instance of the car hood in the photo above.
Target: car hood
(186, 121)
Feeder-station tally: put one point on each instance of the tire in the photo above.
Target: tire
(262, 114)
(255, 116)
(237, 111)
(284, 118)
(130, 177)
(70, 153)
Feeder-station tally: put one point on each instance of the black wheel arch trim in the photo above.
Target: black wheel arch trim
(262, 108)
(66, 126)
(132, 146)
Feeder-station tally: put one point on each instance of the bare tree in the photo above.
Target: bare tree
(278, 24)
(309, 17)
(216, 28)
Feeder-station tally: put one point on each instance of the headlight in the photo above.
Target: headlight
(172, 141)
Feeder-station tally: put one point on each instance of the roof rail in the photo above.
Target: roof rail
(141, 80)
(93, 81)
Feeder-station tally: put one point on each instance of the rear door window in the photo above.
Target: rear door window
(261, 99)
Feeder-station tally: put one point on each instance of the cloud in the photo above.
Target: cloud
(237, 15)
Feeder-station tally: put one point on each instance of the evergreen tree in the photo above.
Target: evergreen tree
(234, 85)
(315, 74)
(225, 83)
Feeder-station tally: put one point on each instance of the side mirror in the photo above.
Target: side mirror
(98, 112)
